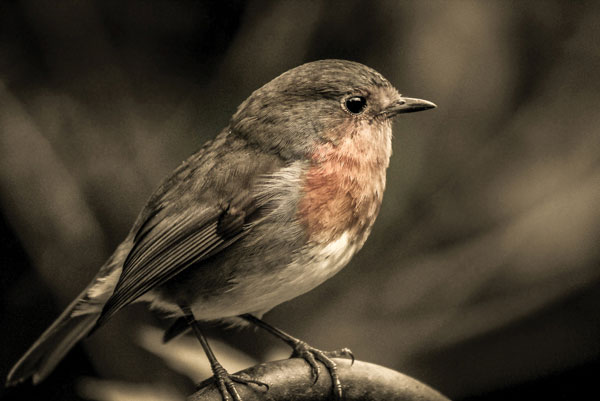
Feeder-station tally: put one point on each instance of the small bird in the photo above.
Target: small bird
(278, 202)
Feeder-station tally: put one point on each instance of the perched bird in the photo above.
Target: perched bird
(274, 205)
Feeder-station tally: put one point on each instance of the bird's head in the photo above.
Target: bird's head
(320, 101)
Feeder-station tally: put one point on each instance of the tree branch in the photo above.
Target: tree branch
(291, 380)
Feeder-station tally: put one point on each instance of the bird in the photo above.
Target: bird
(278, 202)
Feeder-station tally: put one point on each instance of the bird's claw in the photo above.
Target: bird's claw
(311, 355)
(225, 383)
(342, 353)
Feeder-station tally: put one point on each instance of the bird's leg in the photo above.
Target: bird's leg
(308, 353)
(179, 326)
(224, 380)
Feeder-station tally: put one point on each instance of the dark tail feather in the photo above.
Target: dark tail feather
(43, 356)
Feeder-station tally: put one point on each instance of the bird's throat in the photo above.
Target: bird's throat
(344, 186)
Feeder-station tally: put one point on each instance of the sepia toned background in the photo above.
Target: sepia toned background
(481, 277)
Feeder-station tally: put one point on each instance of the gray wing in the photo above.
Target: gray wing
(181, 227)
(167, 244)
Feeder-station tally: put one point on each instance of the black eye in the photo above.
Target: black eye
(356, 104)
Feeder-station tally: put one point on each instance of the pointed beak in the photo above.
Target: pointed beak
(407, 105)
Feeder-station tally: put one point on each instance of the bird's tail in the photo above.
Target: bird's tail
(53, 344)
(76, 322)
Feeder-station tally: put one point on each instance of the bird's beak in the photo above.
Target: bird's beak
(407, 105)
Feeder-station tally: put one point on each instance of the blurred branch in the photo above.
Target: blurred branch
(291, 379)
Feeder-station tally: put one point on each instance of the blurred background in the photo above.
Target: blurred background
(481, 277)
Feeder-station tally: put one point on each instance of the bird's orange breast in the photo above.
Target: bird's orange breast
(344, 186)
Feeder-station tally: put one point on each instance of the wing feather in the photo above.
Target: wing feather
(167, 248)
(187, 220)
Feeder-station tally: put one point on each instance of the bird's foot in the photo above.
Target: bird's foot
(225, 383)
(311, 355)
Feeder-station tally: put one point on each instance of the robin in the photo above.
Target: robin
(278, 202)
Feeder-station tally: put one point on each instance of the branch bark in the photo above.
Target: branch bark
(291, 380)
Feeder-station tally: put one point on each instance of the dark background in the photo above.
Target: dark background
(481, 277)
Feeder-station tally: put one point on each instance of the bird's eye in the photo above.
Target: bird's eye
(356, 104)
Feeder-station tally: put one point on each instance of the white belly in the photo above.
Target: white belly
(260, 294)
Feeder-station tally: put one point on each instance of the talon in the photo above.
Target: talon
(316, 371)
(311, 355)
(226, 386)
(232, 390)
(344, 353)
(350, 353)
(223, 389)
